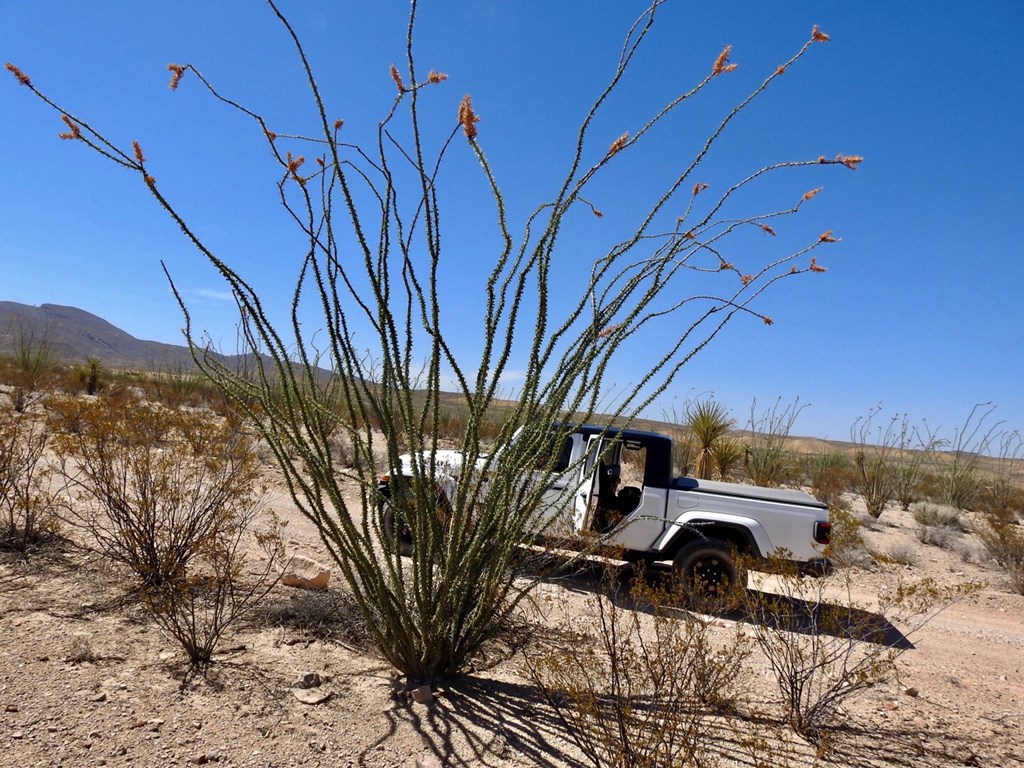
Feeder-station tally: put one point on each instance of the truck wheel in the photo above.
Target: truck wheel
(396, 532)
(709, 576)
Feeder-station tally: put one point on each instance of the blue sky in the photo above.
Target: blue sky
(920, 309)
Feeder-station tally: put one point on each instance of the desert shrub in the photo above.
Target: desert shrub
(846, 546)
(901, 554)
(640, 683)
(941, 536)
(727, 453)
(875, 481)
(80, 651)
(955, 462)
(879, 451)
(1004, 541)
(31, 365)
(822, 653)
(27, 500)
(960, 484)
(767, 461)
(177, 384)
(1002, 495)
(91, 376)
(707, 423)
(152, 487)
(201, 602)
(829, 475)
(171, 495)
(684, 455)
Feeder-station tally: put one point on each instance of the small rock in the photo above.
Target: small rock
(200, 759)
(311, 695)
(308, 680)
(422, 695)
(18, 735)
(427, 760)
(305, 573)
(99, 697)
(911, 692)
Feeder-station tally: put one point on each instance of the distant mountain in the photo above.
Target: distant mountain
(76, 335)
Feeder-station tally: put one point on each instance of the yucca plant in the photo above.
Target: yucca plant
(727, 453)
(708, 422)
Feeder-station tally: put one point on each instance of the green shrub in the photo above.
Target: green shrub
(767, 461)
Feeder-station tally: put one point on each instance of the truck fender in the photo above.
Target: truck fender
(686, 525)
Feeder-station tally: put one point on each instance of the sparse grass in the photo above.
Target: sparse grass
(902, 554)
(937, 516)
(80, 651)
(328, 615)
(943, 537)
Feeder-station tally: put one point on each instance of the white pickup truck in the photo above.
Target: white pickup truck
(624, 497)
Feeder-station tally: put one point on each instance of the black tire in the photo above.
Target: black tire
(709, 575)
(396, 533)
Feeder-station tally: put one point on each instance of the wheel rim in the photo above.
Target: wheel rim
(710, 575)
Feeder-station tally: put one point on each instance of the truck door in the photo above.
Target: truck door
(598, 476)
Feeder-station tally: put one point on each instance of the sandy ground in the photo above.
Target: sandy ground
(86, 679)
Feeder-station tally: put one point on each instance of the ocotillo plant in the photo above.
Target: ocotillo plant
(370, 223)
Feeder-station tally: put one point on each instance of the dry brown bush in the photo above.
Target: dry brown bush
(27, 500)
(171, 494)
(640, 683)
(822, 652)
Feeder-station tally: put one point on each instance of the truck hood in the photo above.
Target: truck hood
(448, 462)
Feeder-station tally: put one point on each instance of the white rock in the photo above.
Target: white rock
(311, 695)
(305, 573)
(422, 695)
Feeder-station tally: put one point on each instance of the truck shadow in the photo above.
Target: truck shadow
(777, 612)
